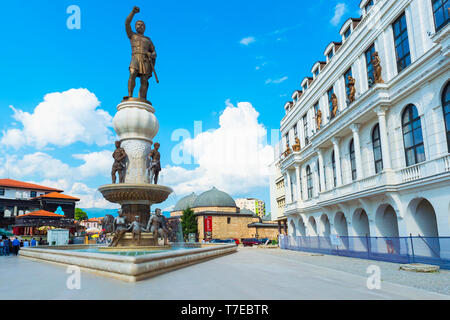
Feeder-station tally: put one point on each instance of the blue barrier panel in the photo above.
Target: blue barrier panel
(427, 250)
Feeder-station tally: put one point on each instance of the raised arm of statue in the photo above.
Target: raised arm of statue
(128, 22)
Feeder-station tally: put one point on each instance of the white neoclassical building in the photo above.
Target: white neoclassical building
(381, 165)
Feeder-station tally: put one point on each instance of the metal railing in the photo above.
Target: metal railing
(427, 250)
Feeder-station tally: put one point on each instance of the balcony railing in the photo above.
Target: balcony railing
(425, 169)
(422, 170)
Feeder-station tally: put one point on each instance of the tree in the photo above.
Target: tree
(80, 215)
(188, 223)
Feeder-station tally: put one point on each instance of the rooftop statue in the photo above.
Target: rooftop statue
(334, 104)
(296, 146)
(377, 68)
(143, 56)
(319, 119)
(352, 90)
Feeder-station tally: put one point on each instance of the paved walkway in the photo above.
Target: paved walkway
(248, 274)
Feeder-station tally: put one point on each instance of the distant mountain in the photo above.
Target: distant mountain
(99, 212)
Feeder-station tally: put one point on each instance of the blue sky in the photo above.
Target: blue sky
(211, 56)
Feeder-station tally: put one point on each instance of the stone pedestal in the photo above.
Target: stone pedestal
(136, 125)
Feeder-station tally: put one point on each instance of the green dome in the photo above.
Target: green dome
(185, 202)
(247, 211)
(214, 198)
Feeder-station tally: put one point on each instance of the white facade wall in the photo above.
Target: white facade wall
(410, 196)
(17, 193)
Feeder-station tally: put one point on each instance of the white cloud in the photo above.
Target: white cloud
(90, 198)
(61, 119)
(234, 158)
(339, 11)
(95, 163)
(43, 169)
(276, 81)
(247, 41)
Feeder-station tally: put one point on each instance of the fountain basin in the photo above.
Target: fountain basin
(131, 193)
(127, 268)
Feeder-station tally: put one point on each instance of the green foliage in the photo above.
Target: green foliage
(80, 215)
(188, 223)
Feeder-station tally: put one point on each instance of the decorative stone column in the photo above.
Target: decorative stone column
(355, 129)
(287, 187)
(337, 157)
(299, 184)
(136, 125)
(385, 150)
(323, 186)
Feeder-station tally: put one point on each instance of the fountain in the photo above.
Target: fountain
(134, 252)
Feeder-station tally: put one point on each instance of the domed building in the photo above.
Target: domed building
(183, 204)
(218, 217)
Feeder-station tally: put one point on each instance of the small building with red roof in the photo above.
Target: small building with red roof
(18, 198)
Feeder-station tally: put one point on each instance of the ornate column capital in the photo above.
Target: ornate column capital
(381, 110)
(335, 140)
(355, 127)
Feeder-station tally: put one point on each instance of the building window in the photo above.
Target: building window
(2, 192)
(412, 136)
(446, 108)
(309, 183)
(295, 131)
(228, 220)
(347, 74)
(376, 145)
(368, 6)
(316, 72)
(305, 128)
(370, 71)
(287, 139)
(330, 55)
(347, 33)
(333, 165)
(330, 103)
(401, 43)
(33, 194)
(353, 160)
(441, 13)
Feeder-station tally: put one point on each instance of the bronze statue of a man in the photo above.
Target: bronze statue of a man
(155, 164)
(143, 56)
(119, 156)
(157, 226)
(120, 228)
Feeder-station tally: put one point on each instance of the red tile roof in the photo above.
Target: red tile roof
(41, 213)
(25, 185)
(56, 195)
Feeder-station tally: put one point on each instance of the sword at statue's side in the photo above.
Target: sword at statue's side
(154, 71)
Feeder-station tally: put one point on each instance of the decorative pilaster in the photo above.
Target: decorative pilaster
(337, 157)
(323, 186)
(385, 150)
(355, 129)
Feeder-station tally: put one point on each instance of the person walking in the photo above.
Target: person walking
(16, 246)
(6, 244)
(1, 248)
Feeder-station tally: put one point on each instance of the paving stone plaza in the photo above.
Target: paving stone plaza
(248, 275)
